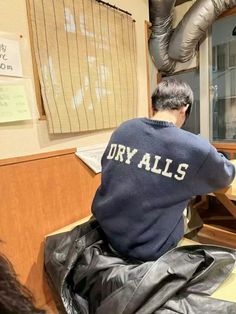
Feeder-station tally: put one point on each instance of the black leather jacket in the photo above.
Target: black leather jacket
(88, 277)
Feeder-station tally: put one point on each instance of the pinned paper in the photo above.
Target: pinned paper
(13, 103)
(10, 60)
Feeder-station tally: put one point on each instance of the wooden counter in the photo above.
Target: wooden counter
(219, 235)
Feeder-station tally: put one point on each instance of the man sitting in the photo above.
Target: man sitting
(151, 168)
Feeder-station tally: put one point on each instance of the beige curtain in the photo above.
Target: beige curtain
(86, 59)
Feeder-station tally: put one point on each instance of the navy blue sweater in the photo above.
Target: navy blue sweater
(150, 170)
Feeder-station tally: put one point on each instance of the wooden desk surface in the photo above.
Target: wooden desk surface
(230, 191)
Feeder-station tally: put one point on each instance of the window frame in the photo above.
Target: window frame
(206, 59)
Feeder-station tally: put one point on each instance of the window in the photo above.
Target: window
(223, 79)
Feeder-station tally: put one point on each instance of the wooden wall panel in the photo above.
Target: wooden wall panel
(40, 194)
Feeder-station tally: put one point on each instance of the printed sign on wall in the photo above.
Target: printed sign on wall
(13, 103)
(10, 61)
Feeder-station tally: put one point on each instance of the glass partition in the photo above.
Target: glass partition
(223, 79)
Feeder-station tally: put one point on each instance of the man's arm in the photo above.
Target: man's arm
(215, 173)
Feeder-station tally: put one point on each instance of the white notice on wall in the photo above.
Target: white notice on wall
(92, 155)
(10, 60)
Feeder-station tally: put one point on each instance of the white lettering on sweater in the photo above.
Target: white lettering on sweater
(148, 162)
(181, 172)
(130, 154)
(117, 152)
(120, 153)
(165, 171)
(154, 168)
(145, 162)
(112, 151)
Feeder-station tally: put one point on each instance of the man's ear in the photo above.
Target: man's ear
(183, 109)
(186, 107)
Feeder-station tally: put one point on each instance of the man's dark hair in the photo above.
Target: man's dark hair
(15, 298)
(172, 94)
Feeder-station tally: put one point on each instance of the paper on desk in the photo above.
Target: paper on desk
(92, 155)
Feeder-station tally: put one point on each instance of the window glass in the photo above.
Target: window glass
(223, 77)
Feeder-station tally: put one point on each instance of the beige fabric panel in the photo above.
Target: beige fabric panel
(86, 59)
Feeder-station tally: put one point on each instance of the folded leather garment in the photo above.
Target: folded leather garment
(87, 276)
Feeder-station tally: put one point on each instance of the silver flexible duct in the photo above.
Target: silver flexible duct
(166, 47)
(161, 17)
(194, 25)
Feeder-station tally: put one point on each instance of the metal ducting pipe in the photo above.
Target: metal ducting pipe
(161, 17)
(191, 29)
(166, 47)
